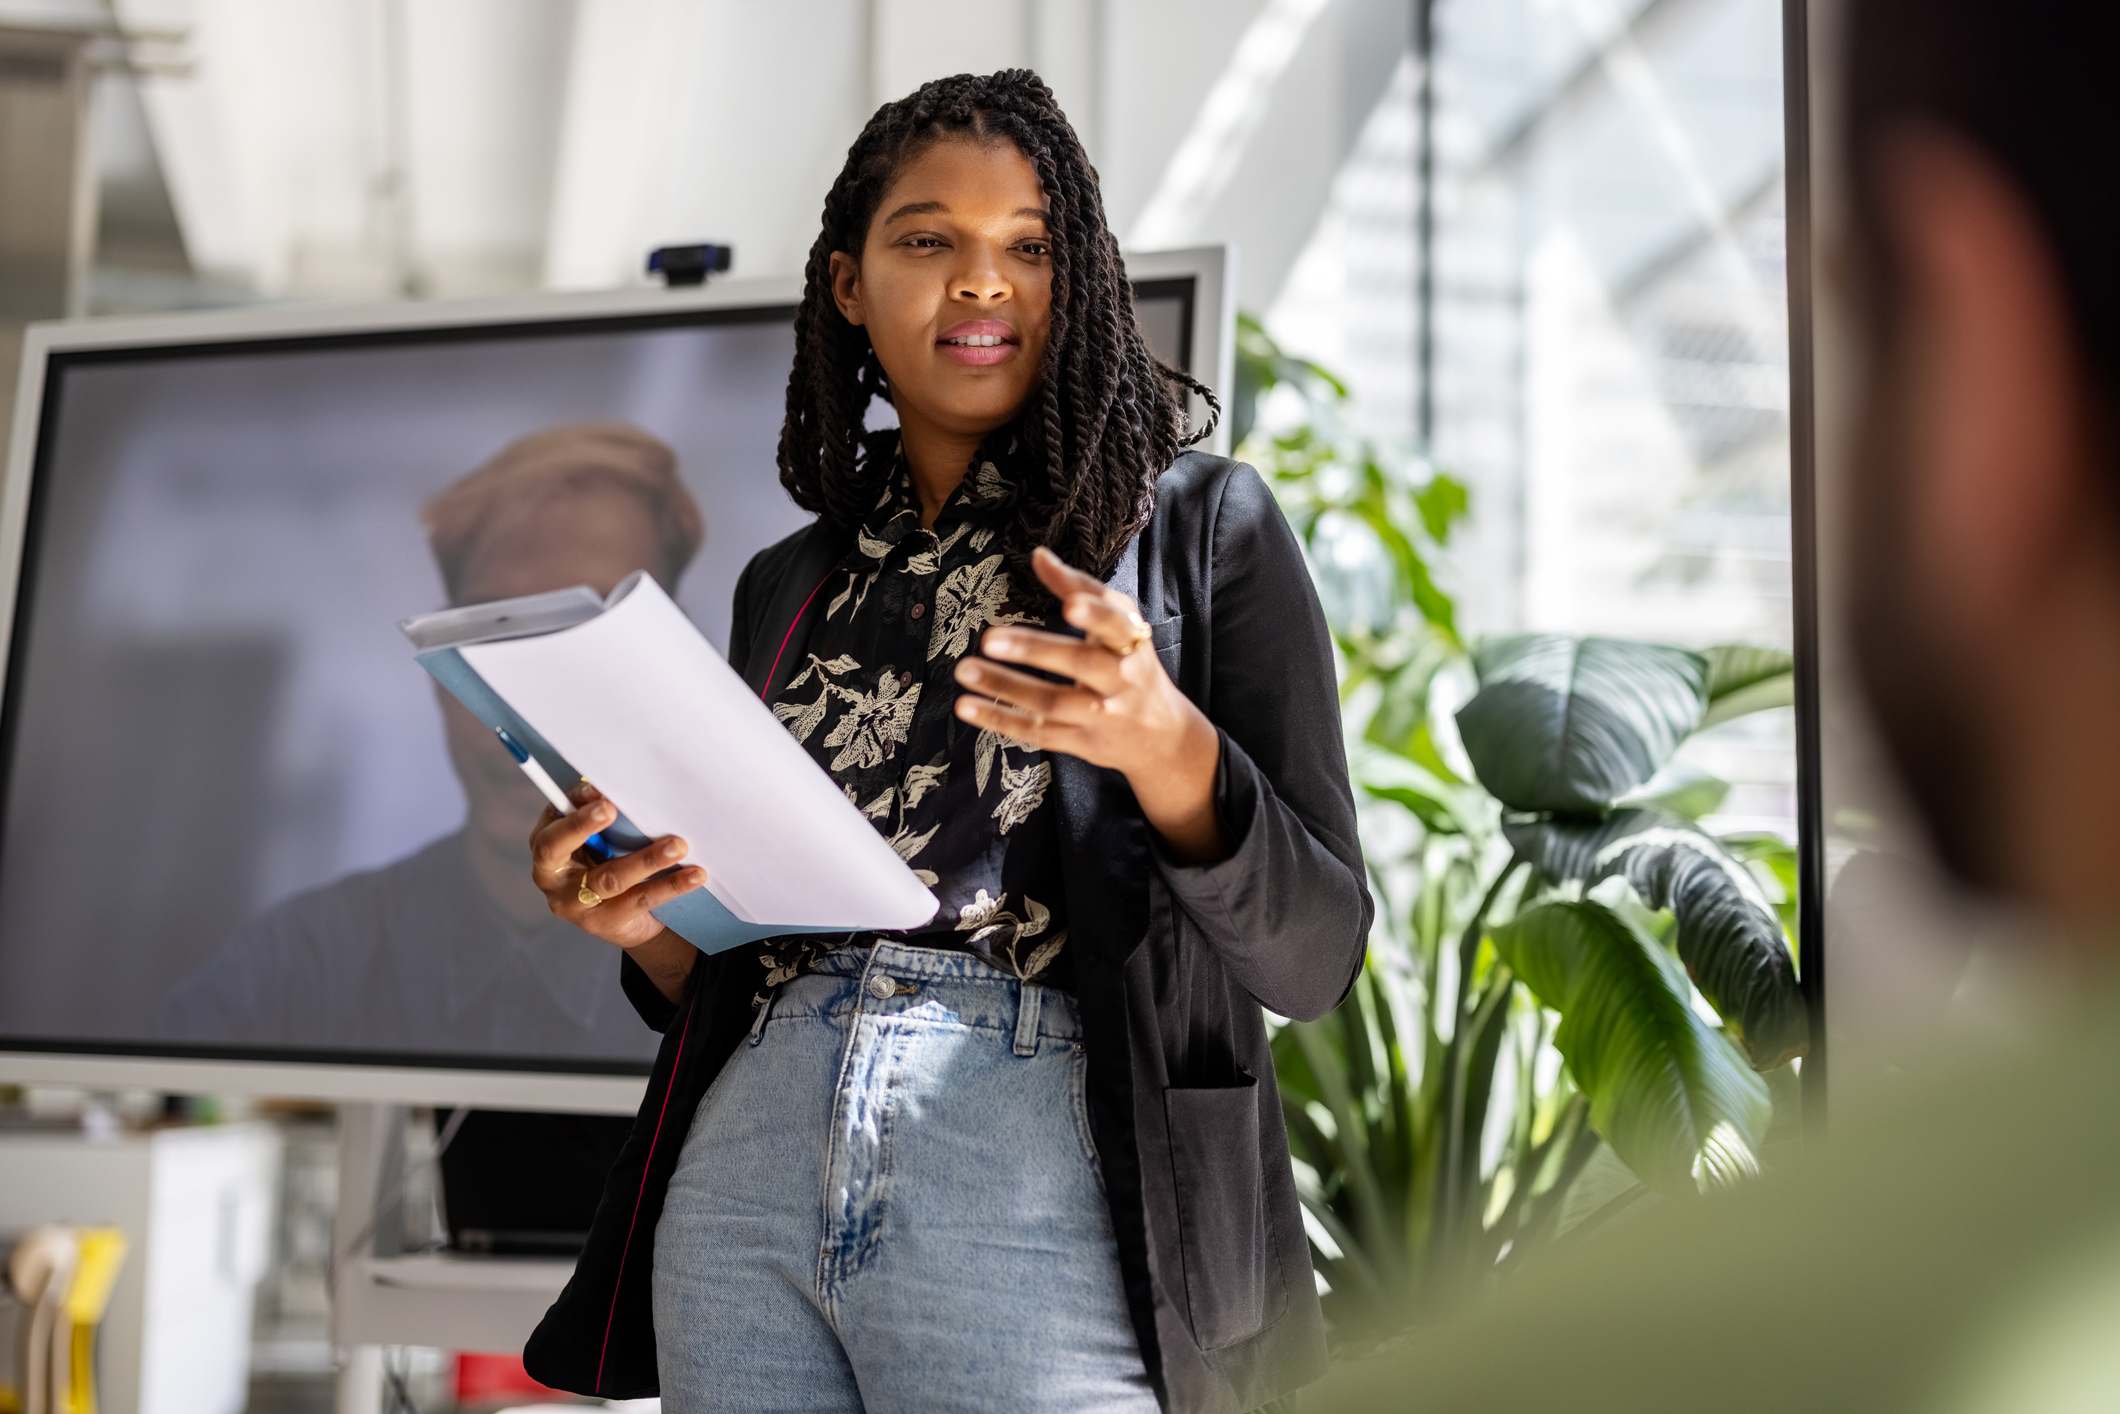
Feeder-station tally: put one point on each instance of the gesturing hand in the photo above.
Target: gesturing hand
(1121, 710)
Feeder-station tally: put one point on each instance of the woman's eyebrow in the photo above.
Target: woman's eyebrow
(932, 208)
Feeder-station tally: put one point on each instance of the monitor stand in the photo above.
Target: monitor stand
(382, 1295)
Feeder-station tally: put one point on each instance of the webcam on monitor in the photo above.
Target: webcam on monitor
(689, 264)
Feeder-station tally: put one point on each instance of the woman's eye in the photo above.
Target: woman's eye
(916, 240)
(1035, 248)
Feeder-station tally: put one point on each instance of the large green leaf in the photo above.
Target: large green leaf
(1730, 940)
(1729, 936)
(1443, 502)
(1681, 788)
(1743, 679)
(1777, 858)
(1667, 1091)
(1571, 724)
(1427, 806)
(1577, 850)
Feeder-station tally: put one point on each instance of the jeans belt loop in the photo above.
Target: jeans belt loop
(1027, 999)
(758, 1022)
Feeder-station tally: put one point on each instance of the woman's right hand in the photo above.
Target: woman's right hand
(631, 884)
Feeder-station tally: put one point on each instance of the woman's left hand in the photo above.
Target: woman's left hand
(1120, 710)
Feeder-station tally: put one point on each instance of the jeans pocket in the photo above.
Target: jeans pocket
(1078, 1105)
(1214, 1156)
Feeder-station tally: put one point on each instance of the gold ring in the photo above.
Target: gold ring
(586, 894)
(1141, 636)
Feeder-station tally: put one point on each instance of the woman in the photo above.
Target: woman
(1030, 1155)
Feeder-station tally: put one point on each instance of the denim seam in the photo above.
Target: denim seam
(880, 1190)
(825, 1244)
(1078, 1093)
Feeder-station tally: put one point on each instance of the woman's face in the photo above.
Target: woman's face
(956, 259)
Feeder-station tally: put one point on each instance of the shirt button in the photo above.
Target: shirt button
(881, 987)
(919, 609)
(905, 675)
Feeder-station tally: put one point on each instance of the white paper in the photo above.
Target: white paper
(640, 703)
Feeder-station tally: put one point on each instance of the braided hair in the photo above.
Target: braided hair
(1105, 416)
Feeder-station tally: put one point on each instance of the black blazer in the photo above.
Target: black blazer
(1175, 962)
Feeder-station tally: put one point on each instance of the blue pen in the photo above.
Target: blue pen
(542, 779)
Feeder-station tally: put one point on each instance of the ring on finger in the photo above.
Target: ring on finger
(589, 897)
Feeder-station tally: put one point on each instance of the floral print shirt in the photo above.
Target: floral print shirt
(872, 699)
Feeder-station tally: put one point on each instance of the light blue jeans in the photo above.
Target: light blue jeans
(889, 1200)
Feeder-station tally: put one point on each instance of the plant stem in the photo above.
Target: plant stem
(1449, 1201)
(1566, 1125)
(1580, 1150)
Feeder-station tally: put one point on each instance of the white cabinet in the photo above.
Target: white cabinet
(195, 1204)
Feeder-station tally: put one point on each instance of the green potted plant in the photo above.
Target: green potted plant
(1577, 994)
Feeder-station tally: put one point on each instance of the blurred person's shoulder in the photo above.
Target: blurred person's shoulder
(295, 969)
(1910, 1258)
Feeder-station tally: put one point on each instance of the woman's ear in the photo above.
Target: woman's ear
(846, 286)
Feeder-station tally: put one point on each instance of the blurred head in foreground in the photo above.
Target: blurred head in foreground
(1982, 269)
(578, 503)
(1953, 1242)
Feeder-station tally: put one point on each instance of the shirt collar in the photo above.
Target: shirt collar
(991, 484)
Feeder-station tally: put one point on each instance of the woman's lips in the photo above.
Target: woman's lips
(977, 353)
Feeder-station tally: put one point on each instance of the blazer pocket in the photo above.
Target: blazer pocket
(1214, 1155)
(1167, 638)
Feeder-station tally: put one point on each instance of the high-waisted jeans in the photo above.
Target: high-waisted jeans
(889, 1200)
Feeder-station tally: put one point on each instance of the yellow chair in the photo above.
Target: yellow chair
(102, 1253)
(59, 1363)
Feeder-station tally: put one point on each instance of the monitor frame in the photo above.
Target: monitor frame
(610, 1087)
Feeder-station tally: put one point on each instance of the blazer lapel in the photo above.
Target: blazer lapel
(777, 633)
(1103, 838)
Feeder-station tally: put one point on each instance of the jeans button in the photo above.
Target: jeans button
(881, 986)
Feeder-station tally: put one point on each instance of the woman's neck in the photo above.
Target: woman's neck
(937, 461)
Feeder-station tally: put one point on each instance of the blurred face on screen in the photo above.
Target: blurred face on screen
(954, 285)
(1984, 611)
(595, 536)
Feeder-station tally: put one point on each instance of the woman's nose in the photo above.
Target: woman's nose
(981, 279)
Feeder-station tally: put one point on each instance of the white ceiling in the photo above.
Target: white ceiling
(351, 149)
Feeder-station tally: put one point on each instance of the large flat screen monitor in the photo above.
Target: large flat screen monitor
(246, 845)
